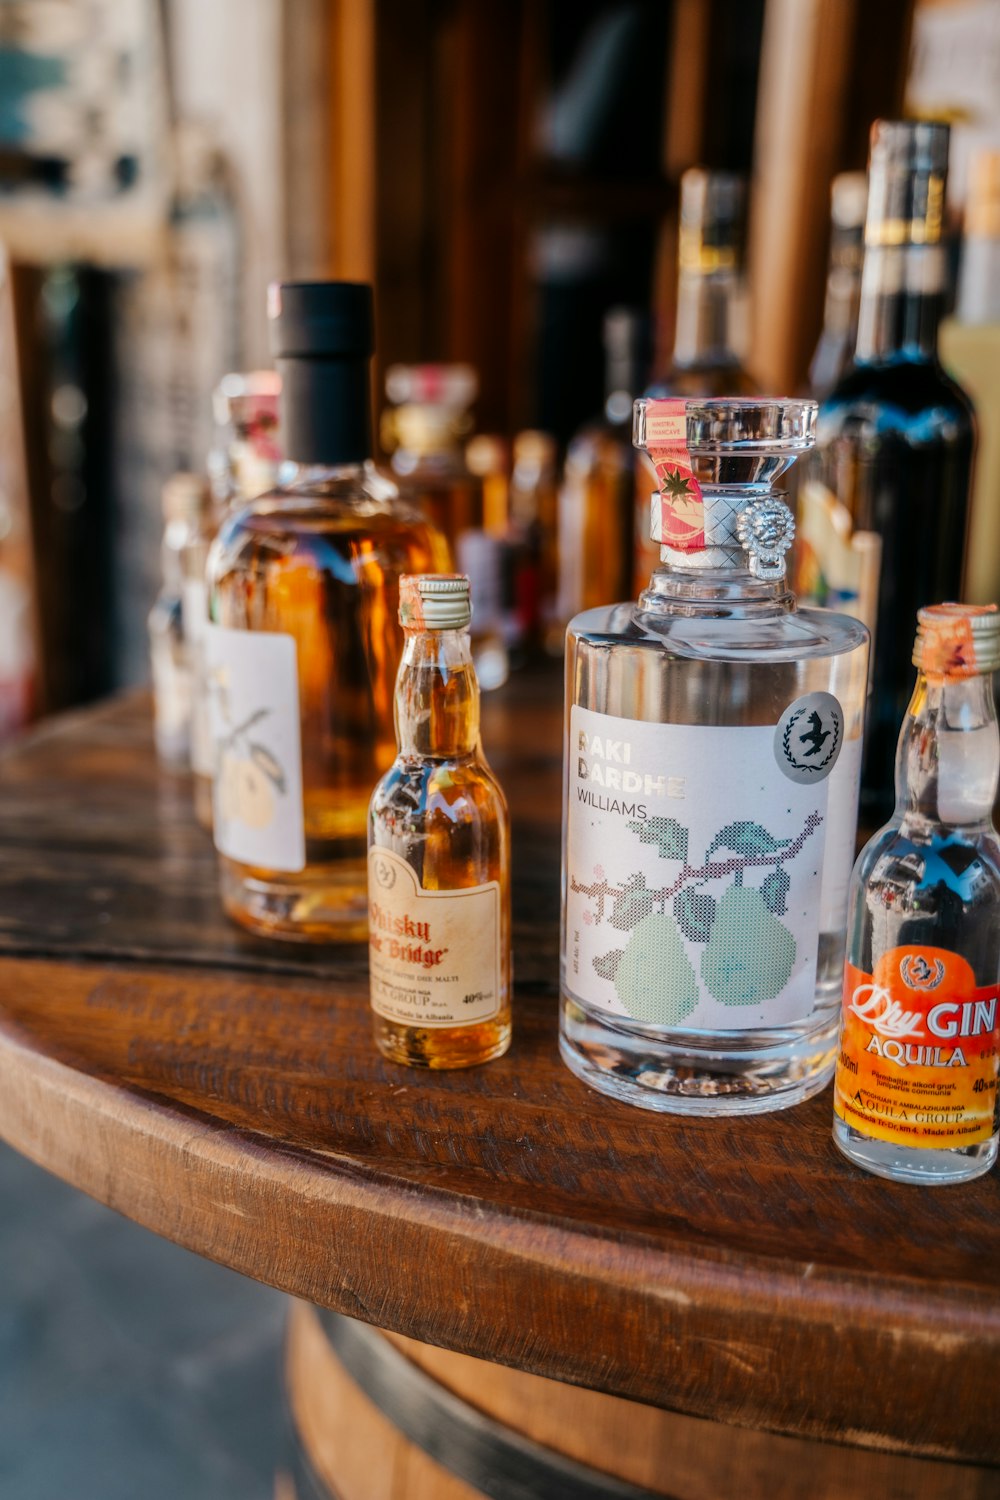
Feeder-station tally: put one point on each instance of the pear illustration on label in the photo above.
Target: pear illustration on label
(654, 978)
(750, 954)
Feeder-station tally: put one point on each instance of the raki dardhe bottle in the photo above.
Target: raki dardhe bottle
(916, 1087)
(439, 852)
(713, 737)
(302, 653)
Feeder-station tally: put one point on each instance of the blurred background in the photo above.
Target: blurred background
(506, 172)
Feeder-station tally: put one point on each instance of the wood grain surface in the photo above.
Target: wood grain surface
(226, 1093)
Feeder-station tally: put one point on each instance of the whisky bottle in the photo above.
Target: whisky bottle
(303, 646)
(710, 329)
(970, 351)
(439, 853)
(835, 349)
(915, 1098)
(424, 434)
(186, 502)
(713, 737)
(895, 436)
(596, 498)
(245, 462)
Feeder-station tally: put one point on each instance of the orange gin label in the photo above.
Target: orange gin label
(434, 956)
(918, 1055)
(680, 508)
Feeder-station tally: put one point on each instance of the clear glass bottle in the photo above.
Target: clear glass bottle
(835, 348)
(894, 439)
(713, 736)
(303, 647)
(710, 331)
(915, 1098)
(439, 853)
(186, 502)
(245, 464)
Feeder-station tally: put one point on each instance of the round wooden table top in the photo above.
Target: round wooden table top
(225, 1092)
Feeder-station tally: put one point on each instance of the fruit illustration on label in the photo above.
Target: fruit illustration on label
(748, 952)
(250, 776)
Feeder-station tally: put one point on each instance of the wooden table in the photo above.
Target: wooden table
(224, 1092)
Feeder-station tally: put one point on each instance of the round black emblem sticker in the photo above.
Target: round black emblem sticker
(808, 737)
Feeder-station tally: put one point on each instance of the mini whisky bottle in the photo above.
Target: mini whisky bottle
(302, 651)
(713, 737)
(439, 852)
(915, 1097)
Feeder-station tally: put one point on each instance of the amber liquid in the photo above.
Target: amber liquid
(442, 810)
(323, 565)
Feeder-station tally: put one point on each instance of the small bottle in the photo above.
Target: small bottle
(713, 739)
(710, 330)
(186, 502)
(835, 349)
(439, 852)
(245, 463)
(481, 554)
(894, 437)
(915, 1097)
(303, 646)
(424, 432)
(532, 571)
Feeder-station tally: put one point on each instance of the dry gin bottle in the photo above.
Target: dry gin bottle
(439, 852)
(916, 1088)
(713, 737)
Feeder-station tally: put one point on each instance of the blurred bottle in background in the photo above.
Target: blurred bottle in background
(532, 565)
(480, 553)
(186, 504)
(970, 350)
(835, 350)
(595, 522)
(424, 432)
(245, 461)
(710, 334)
(895, 436)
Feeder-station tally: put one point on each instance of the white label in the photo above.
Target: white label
(253, 702)
(194, 614)
(434, 955)
(694, 874)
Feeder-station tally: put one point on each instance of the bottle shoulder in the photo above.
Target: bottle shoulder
(895, 395)
(317, 498)
(901, 855)
(781, 636)
(415, 792)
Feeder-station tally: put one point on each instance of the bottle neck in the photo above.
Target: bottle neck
(708, 308)
(437, 696)
(948, 758)
(902, 302)
(325, 410)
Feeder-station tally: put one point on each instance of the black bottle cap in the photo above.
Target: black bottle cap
(321, 319)
(322, 337)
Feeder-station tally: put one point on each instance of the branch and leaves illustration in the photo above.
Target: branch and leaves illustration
(747, 952)
(249, 773)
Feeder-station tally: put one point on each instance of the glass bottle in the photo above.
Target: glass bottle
(424, 433)
(439, 853)
(480, 552)
(186, 502)
(303, 649)
(835, 349)
(713, 736)
(710, 330)
(970, 351)
(916, 1086)
(596, 496)
(895, 436)
(245, 463)
(532, 542)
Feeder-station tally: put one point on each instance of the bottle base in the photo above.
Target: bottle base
(326, 904)
(442, 1047)
(746, 1075)
(931, 1166)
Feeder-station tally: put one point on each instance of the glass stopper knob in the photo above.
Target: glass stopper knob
(765, 529)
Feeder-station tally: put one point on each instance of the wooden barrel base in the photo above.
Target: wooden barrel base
(382, 1417)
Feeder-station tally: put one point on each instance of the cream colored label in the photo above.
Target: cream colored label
(434, 955)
